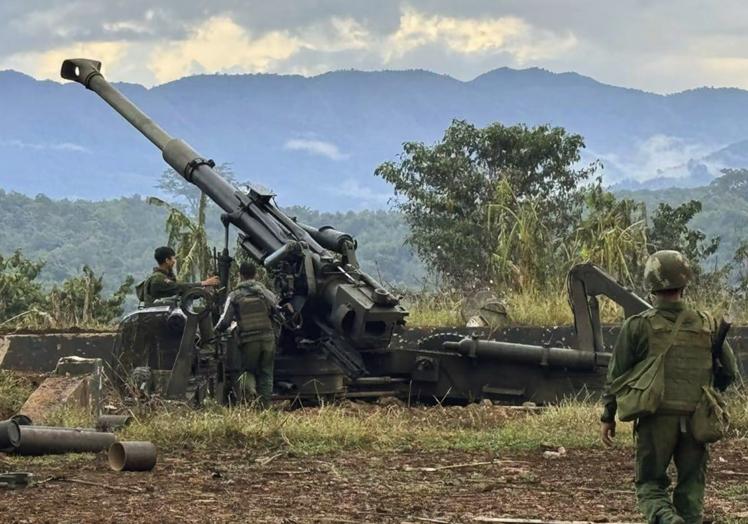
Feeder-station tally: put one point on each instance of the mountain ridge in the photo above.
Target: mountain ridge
(316, 140)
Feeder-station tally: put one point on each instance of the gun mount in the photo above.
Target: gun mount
(341, 345)
(342, 309)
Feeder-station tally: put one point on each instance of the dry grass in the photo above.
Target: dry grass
(433, 309)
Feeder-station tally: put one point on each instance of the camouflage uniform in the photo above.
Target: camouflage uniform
(667, 435)
(251, 304)
(163, 284)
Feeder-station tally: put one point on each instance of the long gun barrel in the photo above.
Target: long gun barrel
(314, 269)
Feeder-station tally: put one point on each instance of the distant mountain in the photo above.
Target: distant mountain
(316, 141)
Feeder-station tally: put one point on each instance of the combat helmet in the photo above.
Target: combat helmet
(667, 270)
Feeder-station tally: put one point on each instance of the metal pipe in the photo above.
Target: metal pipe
(377, 381)
(10, 435)
(524, 353)
(132, 456)
(44, 440)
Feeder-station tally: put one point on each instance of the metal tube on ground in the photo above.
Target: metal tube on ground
(525, 353)
(132, 456)
(377, 381)
(111, 423)
(10, 435)
(42, 440)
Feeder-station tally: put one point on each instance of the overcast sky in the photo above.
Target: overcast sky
(657, 45)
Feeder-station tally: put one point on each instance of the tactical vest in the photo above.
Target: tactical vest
(253, 311)
(688, 363)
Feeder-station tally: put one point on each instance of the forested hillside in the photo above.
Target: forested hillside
(724, 208)
(117, 237)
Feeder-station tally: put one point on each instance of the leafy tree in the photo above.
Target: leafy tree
(187, 194)
(446, 191)
(20, 291)
(611, 233)
(79, 301)
(670, 230)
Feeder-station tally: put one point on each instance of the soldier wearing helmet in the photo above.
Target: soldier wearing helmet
(683, 338)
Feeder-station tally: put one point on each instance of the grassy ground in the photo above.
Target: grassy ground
(367, 427)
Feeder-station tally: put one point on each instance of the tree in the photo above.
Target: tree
(20, 292)
(79, 302)
(187, 235)
(189, 238)
(611, 233)
(447, 191)
(186, 194)
(670, 230)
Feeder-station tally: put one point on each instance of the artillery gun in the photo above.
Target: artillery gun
(339, 343)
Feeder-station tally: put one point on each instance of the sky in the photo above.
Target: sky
(658, 45)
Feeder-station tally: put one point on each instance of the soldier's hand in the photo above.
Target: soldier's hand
(608, 432)
(211, 281)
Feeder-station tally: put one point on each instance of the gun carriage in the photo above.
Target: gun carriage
(338, 343)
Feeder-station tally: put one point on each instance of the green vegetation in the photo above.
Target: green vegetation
(365, 427)
(476, 190)
(499, 208)
(14, 390)
(116, 238)
(78, 301)
(572, 424)
(504, 208)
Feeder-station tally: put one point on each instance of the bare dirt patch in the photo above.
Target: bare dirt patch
(356, 486)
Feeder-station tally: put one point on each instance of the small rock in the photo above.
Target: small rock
(390, 401)
(560, 452)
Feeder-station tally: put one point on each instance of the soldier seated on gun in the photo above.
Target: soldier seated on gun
(251, 305)
(163, 284)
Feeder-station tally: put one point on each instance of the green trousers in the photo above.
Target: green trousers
(256, 359)
(207, 334)
(660, 439)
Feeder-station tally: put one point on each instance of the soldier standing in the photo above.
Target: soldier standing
(251, 305)
(163, 284)
(684, 338)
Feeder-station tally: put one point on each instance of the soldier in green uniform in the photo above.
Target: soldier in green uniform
(163, 284)
(684, 337)
(251, 305)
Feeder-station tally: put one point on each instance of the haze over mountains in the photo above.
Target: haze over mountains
(316, 141)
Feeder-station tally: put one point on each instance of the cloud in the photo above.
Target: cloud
(42, 146)
(221, 45)
(366, 197)
(661, 46)
(46, 64)
(315, 147)
(658, 155)
(475, 36)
